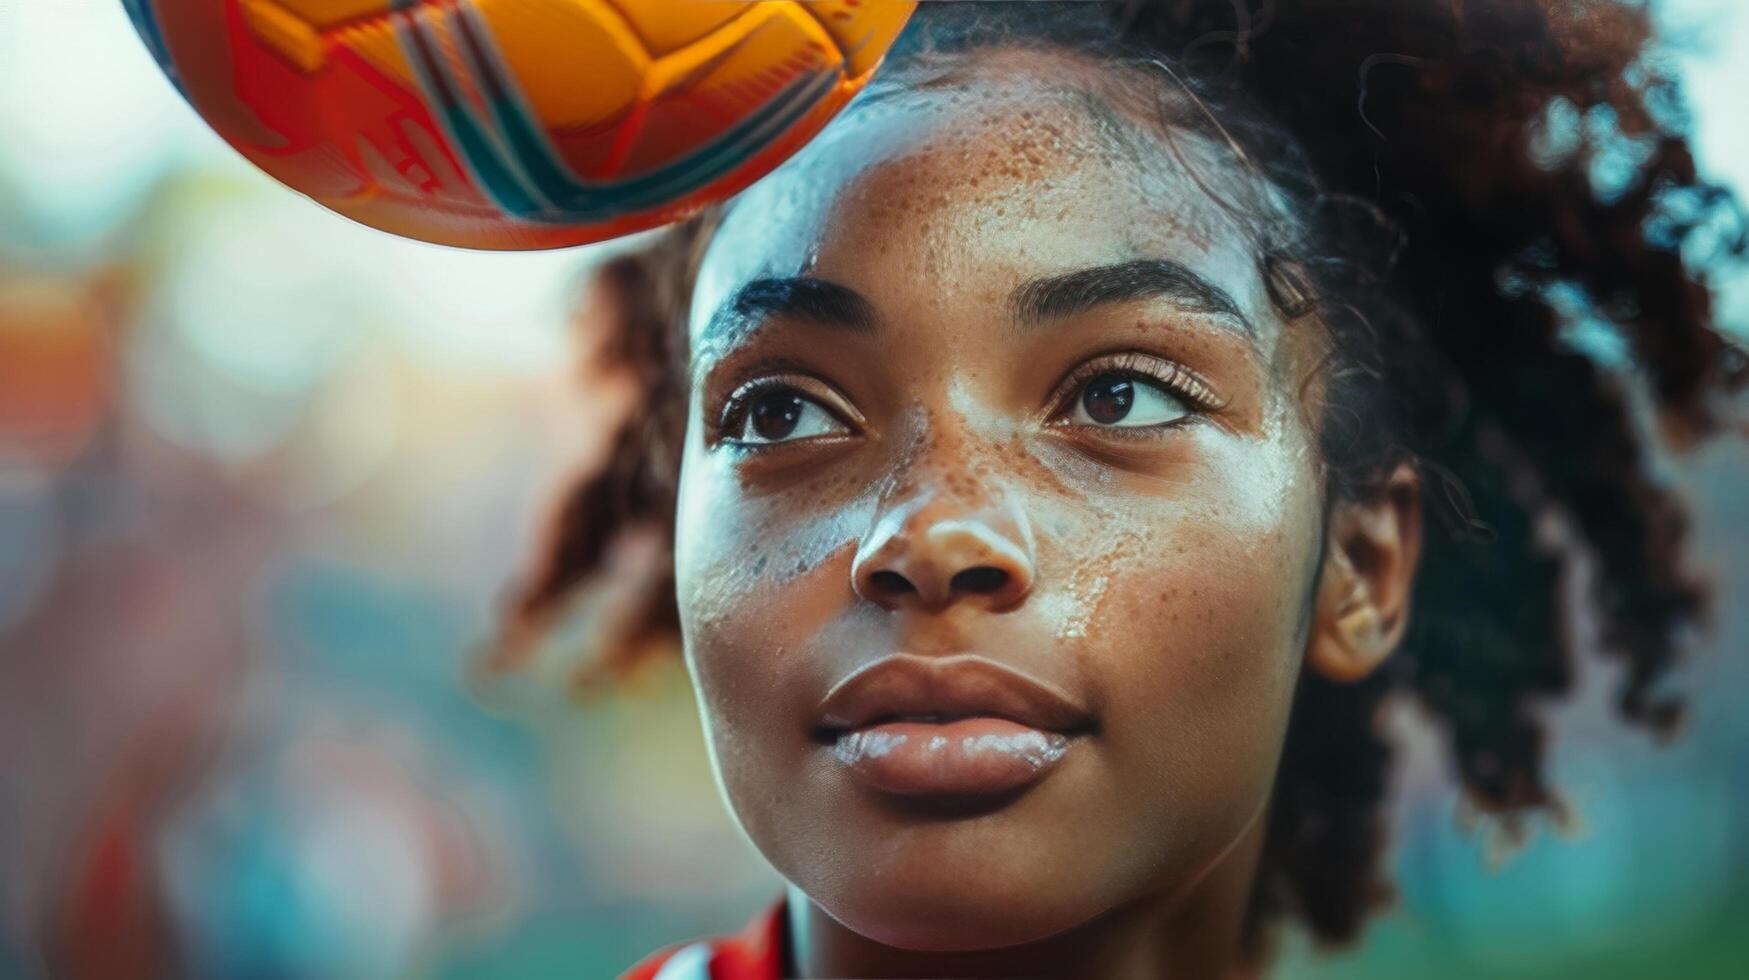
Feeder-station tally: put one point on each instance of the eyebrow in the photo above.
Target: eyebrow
(1056, 297)
(822, 302)
(817, 301)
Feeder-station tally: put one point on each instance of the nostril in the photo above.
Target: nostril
(890, 584)
(982, 580)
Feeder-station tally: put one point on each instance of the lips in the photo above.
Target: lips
(960, 725)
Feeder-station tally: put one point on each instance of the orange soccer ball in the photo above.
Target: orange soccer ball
(518, 124)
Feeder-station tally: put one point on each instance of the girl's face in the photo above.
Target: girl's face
(988, 401)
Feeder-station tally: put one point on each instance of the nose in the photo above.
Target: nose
(936, 551)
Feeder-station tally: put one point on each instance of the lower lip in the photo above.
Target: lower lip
(968, 756)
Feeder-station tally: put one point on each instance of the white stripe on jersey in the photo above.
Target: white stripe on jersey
(690, 963)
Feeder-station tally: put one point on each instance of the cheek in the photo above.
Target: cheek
(1213, 631)
(1195, 611)
(749, 565)
(757, 580)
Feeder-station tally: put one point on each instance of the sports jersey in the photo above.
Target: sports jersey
(757, 952)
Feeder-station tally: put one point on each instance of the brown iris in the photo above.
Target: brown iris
(775, 414)
(1108, 398)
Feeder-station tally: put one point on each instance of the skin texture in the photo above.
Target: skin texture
(1166, 576)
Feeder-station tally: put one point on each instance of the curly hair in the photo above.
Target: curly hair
(1468, 197)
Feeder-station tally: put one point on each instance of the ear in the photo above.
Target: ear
(1362, 605)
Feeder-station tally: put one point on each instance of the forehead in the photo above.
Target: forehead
(1019, 164)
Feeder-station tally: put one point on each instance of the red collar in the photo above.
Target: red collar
(757, 952)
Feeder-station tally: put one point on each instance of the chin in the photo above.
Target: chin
(948, 920)
(935, 896)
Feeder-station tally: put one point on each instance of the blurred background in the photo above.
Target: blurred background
(266, 477)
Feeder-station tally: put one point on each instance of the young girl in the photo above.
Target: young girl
(1066, 455)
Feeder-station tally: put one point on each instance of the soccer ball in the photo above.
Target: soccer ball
(518, 124)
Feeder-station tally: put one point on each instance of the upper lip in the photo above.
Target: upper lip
(946, 688)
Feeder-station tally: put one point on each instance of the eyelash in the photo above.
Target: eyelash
(1177, 379)
(740, 402)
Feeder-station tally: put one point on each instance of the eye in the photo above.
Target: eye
(1118, 400)
(777, 414)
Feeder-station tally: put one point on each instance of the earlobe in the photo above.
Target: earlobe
(1363, 595)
